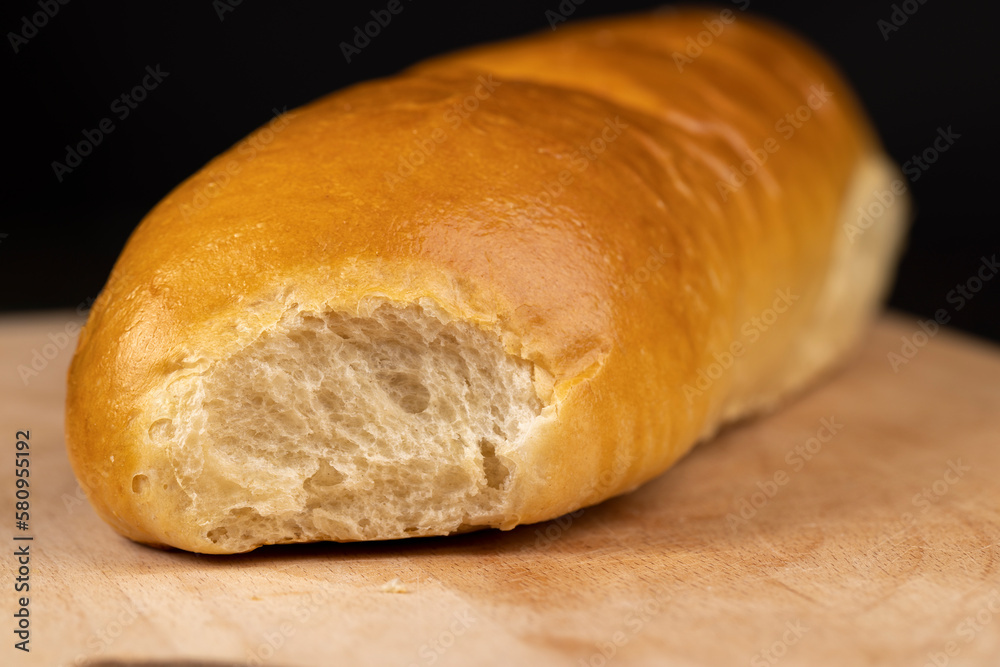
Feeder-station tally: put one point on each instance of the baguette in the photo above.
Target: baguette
(501, 286)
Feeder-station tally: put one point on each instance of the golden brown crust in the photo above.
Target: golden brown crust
(624, 285)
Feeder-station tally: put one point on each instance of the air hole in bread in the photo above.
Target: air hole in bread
(406, 391)
(140, 484)
(496, 472)
(339, 426)
(161, 430)
(216, 535)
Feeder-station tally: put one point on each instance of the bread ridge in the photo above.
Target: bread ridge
(621, 292)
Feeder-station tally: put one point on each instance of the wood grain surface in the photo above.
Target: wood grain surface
(858, 526)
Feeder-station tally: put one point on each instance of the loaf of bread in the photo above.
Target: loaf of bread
(501, 286)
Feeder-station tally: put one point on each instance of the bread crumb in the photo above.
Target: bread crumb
(394, 586)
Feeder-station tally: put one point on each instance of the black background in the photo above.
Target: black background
(228, 73)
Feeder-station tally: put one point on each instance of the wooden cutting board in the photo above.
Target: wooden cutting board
(858, 526)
